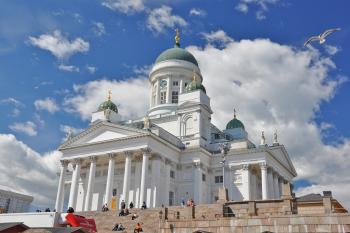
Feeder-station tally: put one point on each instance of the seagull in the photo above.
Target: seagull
(322, 36)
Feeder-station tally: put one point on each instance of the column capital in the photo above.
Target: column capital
(64, 162)
(127, 153)
(245, 166)
(263, 165)
(92, 158)
(146, 151)
(77, 161)
(112, 155)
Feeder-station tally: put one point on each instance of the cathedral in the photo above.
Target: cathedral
(171, 154)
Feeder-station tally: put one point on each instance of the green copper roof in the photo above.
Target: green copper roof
(176, 53)
(108, 104)
(194, 85)
(234, 123)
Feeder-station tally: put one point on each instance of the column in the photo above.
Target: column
(264, 183)
(138, 167)
(91, 182)
(271, 191)
(127, 177)
(110, 178)
(145, 157)
(157, 100)
(60, 191)
(166, 182)
(280, 185)
(74, 185)
(275, 186)
(156, 165)
(168, 91)
(181, 86)
(197, 192)
(245, 182)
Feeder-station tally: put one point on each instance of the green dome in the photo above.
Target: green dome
(234, 123)
(194, 85)
(176, 53)
(108, 104)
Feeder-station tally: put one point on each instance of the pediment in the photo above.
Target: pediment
(282, 156)
(102, 131)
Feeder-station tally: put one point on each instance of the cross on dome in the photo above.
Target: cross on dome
(177, 37)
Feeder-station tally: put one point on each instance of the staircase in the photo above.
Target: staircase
(105, 221)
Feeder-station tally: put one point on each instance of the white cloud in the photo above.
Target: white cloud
(99, 29)
(28, 128)
(219, 38)
(331, 50)
(142, 70)
(261, 6)
(197, 12)
(47, 104)
(16, 103)
(125, 6)
(11, 100)
(242, 8)
(29, 172)
(129, 95)
(275, 86)
(59, 45)
(161, 18)
(68, 68)
(91, 69)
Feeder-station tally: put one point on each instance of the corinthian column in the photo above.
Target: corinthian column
(74, 185)
(127, 172)
(145, 157)
(246, 182)
(60, 191)
(91, 181)
(110, 178)
(264, 185)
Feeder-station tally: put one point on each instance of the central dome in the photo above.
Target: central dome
(176, 53)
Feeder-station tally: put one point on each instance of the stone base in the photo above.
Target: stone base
(223, 195)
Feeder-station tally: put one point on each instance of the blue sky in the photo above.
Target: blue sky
(111, 40)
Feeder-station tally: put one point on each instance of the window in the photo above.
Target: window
(162, 97)
(185, 84)
(114, 193)
(172, 174)
(171, 198)
(175, 83)
(219, 179)
(175, 97)
(203, 177)
(189, 126)
(216, 136)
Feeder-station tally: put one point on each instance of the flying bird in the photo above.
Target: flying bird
(322, 37)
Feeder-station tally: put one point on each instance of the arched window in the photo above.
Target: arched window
(189, 126)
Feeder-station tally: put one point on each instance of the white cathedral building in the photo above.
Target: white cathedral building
(171, 154)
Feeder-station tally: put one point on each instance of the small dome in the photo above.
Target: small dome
(194, 85)
(108, 104)
(234, 123)
(176, 53)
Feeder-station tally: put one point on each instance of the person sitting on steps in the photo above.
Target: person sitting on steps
(138, 228)
(134, 216)
(131, 205)
(144, 206)
(118, 227)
